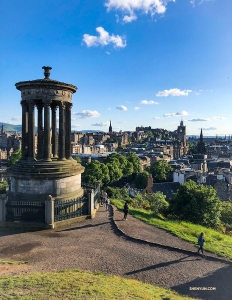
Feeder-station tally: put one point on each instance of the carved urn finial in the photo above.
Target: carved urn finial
(46, 72)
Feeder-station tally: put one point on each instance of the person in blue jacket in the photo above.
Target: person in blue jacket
(201, 242)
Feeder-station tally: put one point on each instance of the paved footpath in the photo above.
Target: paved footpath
(99, 244)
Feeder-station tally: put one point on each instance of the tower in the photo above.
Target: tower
(110, 128)
(181, 133)
(201, 144)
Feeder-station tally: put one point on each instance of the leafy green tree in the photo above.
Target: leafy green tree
(160, 169)
(226, 213)
(96, 171)
(114, 170)
(3, 184)
(141, 180)
(78, 159)
(197, 204)
(15, 156)
(133, 158)
(158, 203)
(150, 134)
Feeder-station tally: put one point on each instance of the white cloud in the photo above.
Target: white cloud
(75, 125)
(131, 6)
(15, 118)
(156, 118)
(136, 108)
(182, 113)
(145, 102)
(119, 122)
(199, 120)
(173, 92)
(207, 119)
(101, 124)
(121, 107)
(104, 39)
(209, 128)
(128, 19)
(86, 114)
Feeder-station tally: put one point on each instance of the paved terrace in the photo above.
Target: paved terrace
(129, 248)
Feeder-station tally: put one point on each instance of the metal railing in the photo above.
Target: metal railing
(25, 211)
(64, 210)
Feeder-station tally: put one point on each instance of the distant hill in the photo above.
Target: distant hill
(10, 128)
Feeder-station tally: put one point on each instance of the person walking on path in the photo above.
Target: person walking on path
(125, 210)
(107, 201)
(201, 242)
(104, 196)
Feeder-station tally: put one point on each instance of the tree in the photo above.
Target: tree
(197, 204)
(158, 202)
(96, 171)
(115, 171)
(160, 170)
(226, 213)
(141, 180)
(78, 159)
(15, 156)
(133, 158)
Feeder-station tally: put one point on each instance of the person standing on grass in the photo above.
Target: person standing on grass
(125, 210)
(201, 242)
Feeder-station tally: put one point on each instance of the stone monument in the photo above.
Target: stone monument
(49, 169)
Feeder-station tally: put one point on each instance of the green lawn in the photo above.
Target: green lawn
(75, 284)
(215, 241)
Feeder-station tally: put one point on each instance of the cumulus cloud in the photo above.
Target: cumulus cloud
(173, 92)
(121, 107)
(199, 120)
(209, 128)
(129, 7)
(136, 108)
(87, 114)
(182, 113)
(104, 39)
(75, 125)
(146, 102)
(128, 19)
(15, 118)
(207, 119)
(101, 124)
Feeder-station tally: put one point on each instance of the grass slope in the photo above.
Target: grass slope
(215, 241)
(75, 284)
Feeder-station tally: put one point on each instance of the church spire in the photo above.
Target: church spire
(110, 128)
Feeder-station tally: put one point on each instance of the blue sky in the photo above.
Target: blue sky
(135, 62)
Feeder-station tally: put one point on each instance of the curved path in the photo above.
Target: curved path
(99, 245)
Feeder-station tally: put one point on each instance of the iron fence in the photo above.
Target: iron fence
(73, 208)
(25, 211)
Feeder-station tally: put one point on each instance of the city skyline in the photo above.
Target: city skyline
(135, 62)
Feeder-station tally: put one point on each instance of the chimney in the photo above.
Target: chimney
(150, 181)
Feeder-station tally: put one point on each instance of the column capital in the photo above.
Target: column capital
(62, 105)
(68, 105)
(30, 103)
(46, 102)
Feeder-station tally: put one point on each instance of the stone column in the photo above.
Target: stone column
(68, 131)
(40, 131)
(90, 195)
(3, 199)
(49, 212)
(31, 131)
(24, 129)
(62, 131)
(54, 133)
(47, 138)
